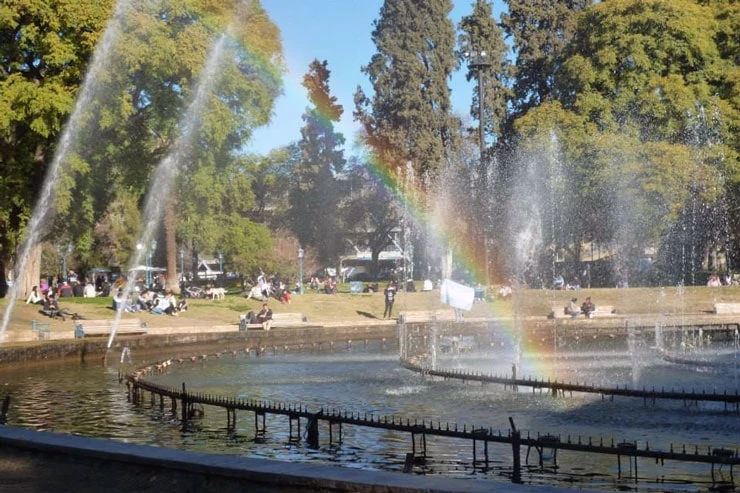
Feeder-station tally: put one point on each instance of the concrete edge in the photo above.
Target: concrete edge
(265, 472)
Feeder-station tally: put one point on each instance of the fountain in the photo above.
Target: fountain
(67, 142)
(166, 171)
(371, 381)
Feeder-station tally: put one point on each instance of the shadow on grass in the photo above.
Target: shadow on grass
(366, 314)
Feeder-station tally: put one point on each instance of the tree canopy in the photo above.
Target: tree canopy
(146, 81)
(315, 191)
(644, 123)
(408, 117)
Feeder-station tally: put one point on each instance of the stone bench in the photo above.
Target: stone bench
(558, 311)
(96, 328)
(727, 308)
(278, 320)
(409, 317)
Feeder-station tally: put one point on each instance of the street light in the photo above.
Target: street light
(151, 260)
(479, 61)
(65, 253)
(139, 247)
(300, 270)
(182, 264)
(220, 267)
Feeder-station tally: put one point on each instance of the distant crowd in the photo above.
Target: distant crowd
(153, 298)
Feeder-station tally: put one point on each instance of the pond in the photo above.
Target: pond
(90, 401)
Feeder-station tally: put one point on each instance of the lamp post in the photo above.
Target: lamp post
(220, 267)
(140, 247)
(149, 265)
(65, 251)
(479, 61)
(300, 270)
(182, 265)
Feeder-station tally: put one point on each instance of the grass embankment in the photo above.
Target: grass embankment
(322, 308)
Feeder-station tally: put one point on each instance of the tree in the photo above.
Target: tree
(407, 121)
(270, 177)
(315, 192)
(482, 47)
(408, 117)
(133, 121)
(633, 84)
(540, 30)
(481, 35)
(371, 210)
(40, 72)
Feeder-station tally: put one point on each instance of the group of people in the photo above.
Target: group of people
(328, 285)
(560, 284)
(154, 302)
(587, 308)
(48, 302)
(715, 280)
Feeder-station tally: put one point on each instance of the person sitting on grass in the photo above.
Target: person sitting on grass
(35, 297)
(51, 307)
(182, 305)
(166, 305)
(284, 294)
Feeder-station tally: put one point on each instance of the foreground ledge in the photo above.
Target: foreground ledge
(42, 461)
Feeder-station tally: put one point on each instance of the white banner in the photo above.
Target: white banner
(457, 295)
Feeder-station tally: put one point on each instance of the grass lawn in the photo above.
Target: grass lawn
(343, 306)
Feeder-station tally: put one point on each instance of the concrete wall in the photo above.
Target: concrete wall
(181, 344)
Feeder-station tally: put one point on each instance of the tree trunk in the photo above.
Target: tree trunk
(170, 238)
(32, 274)
(3, 284)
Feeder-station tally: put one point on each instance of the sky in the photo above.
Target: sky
(338, 31)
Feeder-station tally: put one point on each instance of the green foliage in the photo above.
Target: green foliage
(649, 63)
(408, 116)
(315, 192)
(480, 34)
(44, 50)
(540, 30)
(642, 123)
(133, 119)
(269, 179)
(116, 232)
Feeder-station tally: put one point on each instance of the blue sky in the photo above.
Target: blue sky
(337, 31)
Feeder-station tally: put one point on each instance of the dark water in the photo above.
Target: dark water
(88, 400)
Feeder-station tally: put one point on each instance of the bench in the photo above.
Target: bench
(558, 311)
(92, 328)
(409, 317)
(727, 308)
(278, 320)
(42, 330)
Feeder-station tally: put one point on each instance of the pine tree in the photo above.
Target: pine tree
(409, 116)
(540, 30)
(315, 194)
(483, 49)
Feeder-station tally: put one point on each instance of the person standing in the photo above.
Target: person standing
(390, 296)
